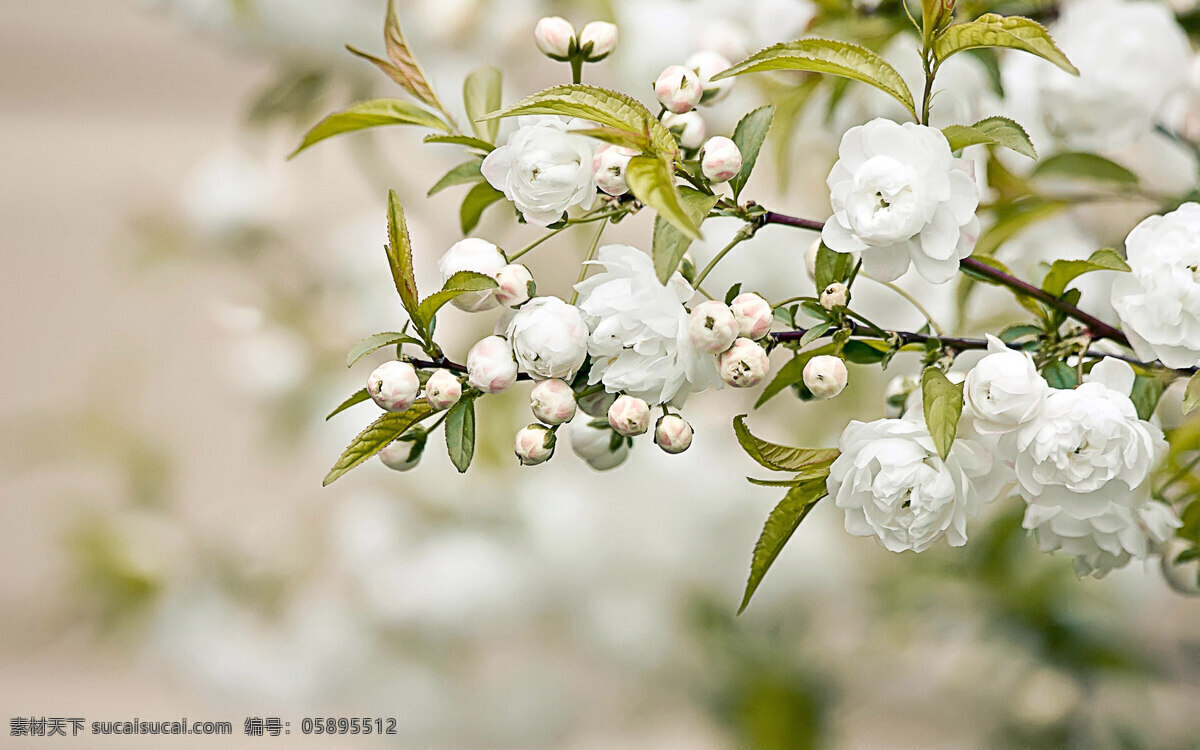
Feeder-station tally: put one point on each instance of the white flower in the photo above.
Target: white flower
(1158, 301)
(608, 168)
(1084, 467)
(753, 315)
(533, 444)
(553, 36)
(810, 258)
(600, 447)
(672, 433)
(443, 389)
(712, 327)
(552, 402)
(678, 89)
(549, 338)
(898, 199)
(629, 416)
(743, 365)
(393, 385)
(480, 256)
(490, 365)
(1004, 390)
(514, 285)
(825, 375)
(689, 127)
(603, 38)
(707, 64)
(544, 169)
(639, 342)
(720, 159)
(892, 484)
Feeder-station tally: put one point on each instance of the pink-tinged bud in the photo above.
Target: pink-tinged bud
(712, 327)
(603, 38)
(534, 444)
(596, 404)
(707, 64)
(394, 385)
(515, 285)
(629, 416)
(490, 365)
(689, 127)
(825, 376)
(810, 258)
(554, 37)
(678, 89)
(720, 160)
(552, 402)
(608, 168)
(743, 365)
(443, 389)
(405, 452)
(753, 315)
(835, 295)
(673, 434)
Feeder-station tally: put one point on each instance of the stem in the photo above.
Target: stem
(583, 269)
(446, 364)
(1183, 472)
(770, 217)
(920, 308)
(570, 223)
(930, 72)
(576, 69)
(743, 234)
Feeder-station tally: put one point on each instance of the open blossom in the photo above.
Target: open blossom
(892, 484)
(549, 338)
(899, 200)
(1084, 468)
(639, 342)
(1158, 301)
(1004, 390)
(544, 169)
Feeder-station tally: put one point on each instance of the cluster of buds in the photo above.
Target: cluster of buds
(681, 88)
(556, 38)
(731, 332)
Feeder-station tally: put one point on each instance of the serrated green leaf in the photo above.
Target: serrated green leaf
(461, 140)
(1063, 272)
(1000, 131)
(651, 181)
(377, 341)
(782, 522)
(1013, 32)
(832, 57)
(1082, 165)
(669, 243)
(375, 438)
(463, 174)
(399, 253)
(481, 95)
(749, 135)
(943, 404)
(478, 198)
(369, 114)
(358, 397)
(411, 75)
(831, 266)
(778, 457)
(460, 283)
(791, 373)
(460, 433)
(1191, 396)
(618, 137)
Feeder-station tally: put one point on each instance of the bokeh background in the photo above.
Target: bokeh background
(178, 299)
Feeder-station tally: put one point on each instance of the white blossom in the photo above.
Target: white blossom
(544, 169)
(608, 168)
(405, 452)
(689, 127)
(602, 35)
(549, 338)
(712, 327)
(553, 36)
(514, 285)
(443, 389)
(753, 314)
(479, 256)
(835, 295)
(1004, 390)
(707, 64)
(629, 416)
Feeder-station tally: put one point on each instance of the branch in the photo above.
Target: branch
(446, 364)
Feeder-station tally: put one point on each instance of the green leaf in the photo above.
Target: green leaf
(832, 57)
(1191, 396)
(669, 243)
(369, 114)
(358, 397)
(618, 137)
(792, 372)
(460, 433)
(1083, 165)
(399, 252)
(480, 197)
(411, 75)
(831, 266)
(1059, 375)
(461, 140)
(783, 521)
(375, 342)
(481, 95)
(463, 174)
(1000, 131)
(1147, 390)
(375, 438)
(814, 333)
(1013, 32)
(943, 404)
(460, 283)
(778, 457)
(652, 183)
(865, 352)
(749, 135)
(1063, 272)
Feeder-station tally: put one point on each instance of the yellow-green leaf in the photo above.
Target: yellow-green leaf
(651, 181)
(375, 342)
(357, 398)
(1191, 396)
(1013, 32)
(481, 95)
(782, 522)
(464, 174)
(375, 438)
(460, 283)
(1063, 272)
(778, 457)
(478, 198)
(669, 243)
(369, 114)
(749, 135)
(412, 77)
(943, 404)
(399, 252)
(1000, 131)
(1082, 165)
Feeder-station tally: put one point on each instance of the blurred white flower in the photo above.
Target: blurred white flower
(600, 447)
(544, 169)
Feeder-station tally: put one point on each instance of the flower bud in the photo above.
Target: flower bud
(825, 375)
(608, 168)
(678, 89)
(744, 364)
(552, 402)
(394, 385)
(672, 433)
(712, 327)
(896, 394)
(834, 296)
(534, 444)
(480, 256)
(753, 315)
(720, 159)
(554, 37)
(810, 258)
(599, 446)
(603, 38)
(443, 389)
(514, 285)
(629, 416)
(689, 127)
(404, 452)
(549, 338)
(596, 404)
(707, 64)
(490, 365)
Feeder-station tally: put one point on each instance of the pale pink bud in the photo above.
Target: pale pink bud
(689, 127)
(753, 315)
(394, 385)
(834, 296)
(533, 444)
(490, 365)
(553, 36)
(629, 416)
(443, 389)
(608, 168)
(514, 285)
(552, 402)
(825, 376)
(673, 434)
(712, 327)
(707, 64)
(743, 365)
(603, 38)
(678, 89)
(720, 160)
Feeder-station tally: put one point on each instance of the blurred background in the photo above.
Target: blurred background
(178, 299)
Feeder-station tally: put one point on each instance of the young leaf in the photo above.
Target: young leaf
(1082, 165)
(460, 283)
(375, 342)
(669, 243)
(832, 57)
(480, 197)
(411, 75)
(463, 174)
(481, 94)
(1063, 272)
(1060, 375)
(749, 135)
(783, 521)
(943, 404)
(369, 114)
(461, 140)
(359, 396)
(375, 438)
(1147, 390)
(460, 433)
(651, 182)
(1013, 32)
(1191, 396)
(831, 266)
(778, 457)
(792, 372)
(1000, 131)
(399, 252)
(618, 137)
